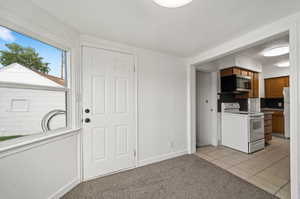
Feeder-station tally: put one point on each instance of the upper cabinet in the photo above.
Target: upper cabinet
(255, 85)
(254, 92)
(274, 86)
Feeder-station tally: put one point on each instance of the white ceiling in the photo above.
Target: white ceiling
(183, 31)
(255, 52)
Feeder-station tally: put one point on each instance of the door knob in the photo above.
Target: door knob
(87, 110)
(87, 120)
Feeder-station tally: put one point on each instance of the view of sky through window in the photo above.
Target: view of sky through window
(50, 54)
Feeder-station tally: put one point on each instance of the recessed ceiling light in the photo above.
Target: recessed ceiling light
(283, 64)
(172, 3)
(276, 51)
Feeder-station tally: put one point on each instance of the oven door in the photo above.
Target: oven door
(256, 128)
(243, 83)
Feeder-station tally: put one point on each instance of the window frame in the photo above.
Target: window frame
(69, 90)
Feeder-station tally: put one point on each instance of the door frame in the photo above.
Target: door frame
(214, 101)
(289, 25)
(92, 42)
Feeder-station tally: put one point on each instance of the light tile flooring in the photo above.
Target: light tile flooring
(268, 169)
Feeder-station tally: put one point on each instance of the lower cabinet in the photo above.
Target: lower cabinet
(268, 127)
(278, 122)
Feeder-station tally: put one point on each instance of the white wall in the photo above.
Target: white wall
(162, 102)
(162, 111)
(248, 63)
(239, 61)
(52, 166)
(270, 71)
(162, 105)
(41, 171)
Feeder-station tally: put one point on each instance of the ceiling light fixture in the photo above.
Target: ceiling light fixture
(276, 51)
(172, 3)
(283, 64)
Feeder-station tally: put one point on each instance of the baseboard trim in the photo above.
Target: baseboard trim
(108, 174)
(161, 158)
(62, 191)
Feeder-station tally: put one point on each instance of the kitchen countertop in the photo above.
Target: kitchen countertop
(272, 109)
(268, 112)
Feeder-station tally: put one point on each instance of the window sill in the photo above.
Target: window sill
(25, 141)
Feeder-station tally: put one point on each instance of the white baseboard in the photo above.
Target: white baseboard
(161, 158)
(108, 174)
(145, 162)
(62, 191)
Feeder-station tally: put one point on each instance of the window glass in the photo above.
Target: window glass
(33, 91)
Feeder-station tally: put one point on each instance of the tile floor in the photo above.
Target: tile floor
(268, 169)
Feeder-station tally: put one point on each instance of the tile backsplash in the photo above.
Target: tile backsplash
(272, 103)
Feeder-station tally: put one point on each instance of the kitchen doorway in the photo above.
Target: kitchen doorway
(269, 167)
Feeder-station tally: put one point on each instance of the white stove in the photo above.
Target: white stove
(242, 130)
(247, 113)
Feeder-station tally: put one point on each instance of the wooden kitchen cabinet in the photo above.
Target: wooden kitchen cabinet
(278, 122)
(244, 73)
(226, 72)
(254, 92)
(274, 86)
(268, 127)
(255, 87)
(236, 71)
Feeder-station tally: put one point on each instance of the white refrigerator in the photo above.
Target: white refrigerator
(286, 112)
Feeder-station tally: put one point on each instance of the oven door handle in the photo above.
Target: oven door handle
(257, 117)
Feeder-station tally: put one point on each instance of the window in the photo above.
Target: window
(33, 86)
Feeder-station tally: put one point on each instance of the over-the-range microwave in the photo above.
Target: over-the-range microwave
(235, 83)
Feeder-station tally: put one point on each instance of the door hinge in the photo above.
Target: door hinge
(81, 115)
(134, 153)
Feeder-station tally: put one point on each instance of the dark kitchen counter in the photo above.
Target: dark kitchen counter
(271, 109)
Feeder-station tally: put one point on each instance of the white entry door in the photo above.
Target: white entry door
(206, 102)
(109, 133)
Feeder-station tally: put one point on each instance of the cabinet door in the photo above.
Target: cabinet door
(277, 89)
(226, 72)
(268, 88)
(251, 93)
(236, 71)
(255, 85)
(278, 122)
(244, 72)
(274, 87)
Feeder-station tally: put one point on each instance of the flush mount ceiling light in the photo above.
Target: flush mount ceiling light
(172, 3)
(283, 64)
(276, 51)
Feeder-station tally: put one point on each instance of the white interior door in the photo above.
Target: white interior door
(206, 90)
(109, 133)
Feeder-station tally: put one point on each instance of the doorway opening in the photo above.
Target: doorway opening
(251, 136)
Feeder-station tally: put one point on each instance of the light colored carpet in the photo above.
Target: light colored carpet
(185, 177)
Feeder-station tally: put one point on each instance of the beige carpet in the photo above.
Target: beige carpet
(185, 177)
